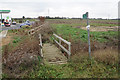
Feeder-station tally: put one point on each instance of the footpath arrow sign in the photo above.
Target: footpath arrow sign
(85, 16)
(88, 26)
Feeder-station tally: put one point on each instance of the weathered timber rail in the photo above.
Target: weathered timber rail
(33, 31)
(68, 51)
(41, 51)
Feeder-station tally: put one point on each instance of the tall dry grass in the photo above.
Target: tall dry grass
(100, 52)
(108, 55)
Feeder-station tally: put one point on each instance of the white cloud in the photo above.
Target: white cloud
(68, 8)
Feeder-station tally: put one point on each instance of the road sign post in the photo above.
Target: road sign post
(85, 16)
(1, 19)
(89, 42)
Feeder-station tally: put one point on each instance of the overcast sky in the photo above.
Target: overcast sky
(66, 8)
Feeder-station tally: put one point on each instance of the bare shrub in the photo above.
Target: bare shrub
(36, 24)
(42, 19)
(23, 55)
(46, 32)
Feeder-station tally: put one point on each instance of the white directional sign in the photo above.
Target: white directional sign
(88, 26)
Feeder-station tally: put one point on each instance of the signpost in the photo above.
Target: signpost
(85, 16)
(3, 11)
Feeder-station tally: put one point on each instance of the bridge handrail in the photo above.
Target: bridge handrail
(59, 43)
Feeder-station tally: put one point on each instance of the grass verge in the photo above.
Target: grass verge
(0, 31)
(79, 34)
(80, 67)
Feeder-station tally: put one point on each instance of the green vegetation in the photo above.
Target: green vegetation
(0, 31)
(28, 19)
(102, 24)
(76, 33)
(80, 67)
(15, 39)
(14, 44)
(25, 20)
(4, 75)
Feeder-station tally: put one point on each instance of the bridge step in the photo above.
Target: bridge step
(58, 62)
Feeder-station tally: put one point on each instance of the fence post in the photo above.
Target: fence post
(40, 45)
(69, 51)
(69, 46)
(59, 42)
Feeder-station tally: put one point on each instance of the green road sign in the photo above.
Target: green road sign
(4, 11)
(85, 16)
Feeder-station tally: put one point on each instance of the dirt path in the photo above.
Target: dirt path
(52, 55)
(5, 38)
(3, 33)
